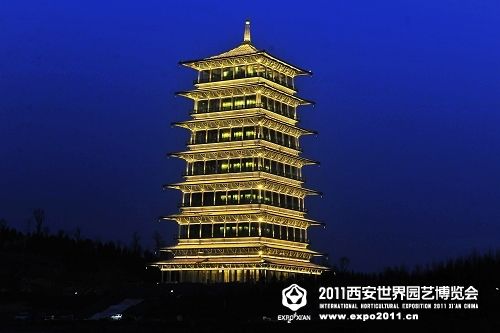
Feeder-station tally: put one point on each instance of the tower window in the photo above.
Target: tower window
(250, 101)
(230, 229)
(227, 73)
(206, 230)
(249, 132)
(208, 199)
(196, 199)
(203, 105)
(260, 70)
(199, 137)
(183, 231)
(237, 133)
(243, 229)
(220, 198)
(239, 72)
(283, 232)
(215, 74)
(239, 102)
(198, 168)
(269, 73)
(214, 105)
(235, 165)
(254, 229)
(223, 166)
(225, 135)
(204, 76)
(194, 231)
(210, 167)
(227, 104)
(263, 99)
(212, 136)
(218, 230)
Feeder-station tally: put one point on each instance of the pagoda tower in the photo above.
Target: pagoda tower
(242, 216)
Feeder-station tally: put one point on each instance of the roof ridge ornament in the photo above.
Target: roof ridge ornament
(246, 35)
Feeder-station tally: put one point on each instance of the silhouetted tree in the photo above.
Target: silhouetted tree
(158, 241)
(136, 245)
(78, 234)
(344, 264)
(39, 216)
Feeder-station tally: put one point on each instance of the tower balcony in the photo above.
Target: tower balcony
(230, 242)
(241, 246)
(243, 208)
(237, 176)
(251, 110)
(255, 78)
(256, 151)
(255, 216)
(226, 98)
(223, 145)
(288, 113)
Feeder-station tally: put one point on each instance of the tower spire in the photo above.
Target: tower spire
(246, 35)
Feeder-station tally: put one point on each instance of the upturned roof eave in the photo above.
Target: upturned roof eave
(184, 124)
(302, 101)
(298, 70)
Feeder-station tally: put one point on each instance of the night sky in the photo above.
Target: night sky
(407, 110)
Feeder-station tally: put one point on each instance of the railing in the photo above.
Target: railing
(246, 107)
(253, 202)
(298, 178)
(263, 139)
(246, 76)
(253, 106)
(185, 237)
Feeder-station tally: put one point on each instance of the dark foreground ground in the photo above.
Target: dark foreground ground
(57, 283)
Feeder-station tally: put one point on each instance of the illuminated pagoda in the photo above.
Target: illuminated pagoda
(242, 216)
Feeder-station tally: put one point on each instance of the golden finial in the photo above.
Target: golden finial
(246, 36)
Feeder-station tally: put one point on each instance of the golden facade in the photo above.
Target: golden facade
(242, 216)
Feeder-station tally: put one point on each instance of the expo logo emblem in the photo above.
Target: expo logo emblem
(294, 297)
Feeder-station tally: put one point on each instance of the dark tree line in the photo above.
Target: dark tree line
(43, 260)
(63, 259)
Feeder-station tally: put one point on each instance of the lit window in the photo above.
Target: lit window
(225, 134)
(239, 102)
(237, 133)
(260, 70)
(227, 104)
(249, 133)
(250, 71)
(227, 73)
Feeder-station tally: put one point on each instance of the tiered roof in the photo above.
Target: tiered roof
(249, 252)
(243, 51)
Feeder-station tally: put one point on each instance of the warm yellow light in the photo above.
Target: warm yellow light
(231, 138)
